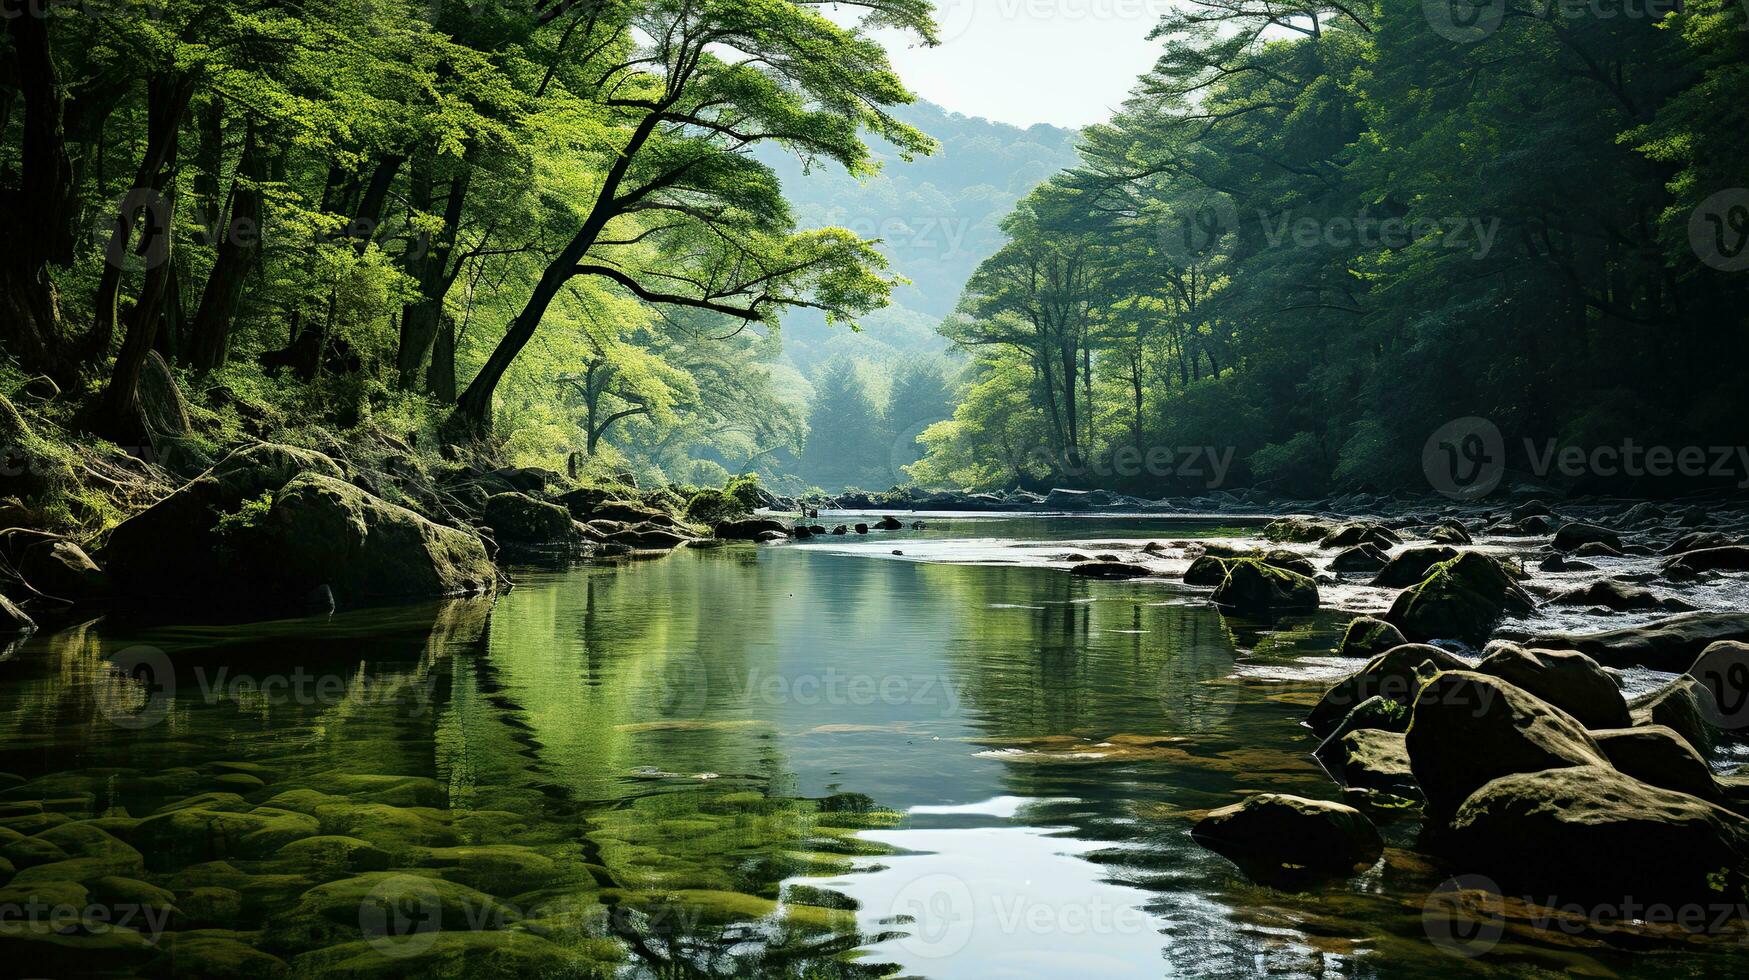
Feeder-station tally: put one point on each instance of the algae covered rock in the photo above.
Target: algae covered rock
(1393, 675)
(1368, 637)
(1567, 679)
(1467, 729)
(1253, 588)
(1658, 756)
(334, 534)
(1591, 834)
(1273, 832)
(1684, 706)
(1411, 566)
(169, 548)
(1460, 599)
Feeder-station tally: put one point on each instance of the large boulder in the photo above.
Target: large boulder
(1297, 530)
(1590, 834)
(1669, 646)
(1368, 637)
(1360, 558)
(1566, 679)
(749, 530)
(1468, 728)
(1683, 705)
(1393, 675)
(1253, 588)
(1461, 599)
(1274, 832)
(1207, 570)
(1610, 594)
(1730, 558)
(1570, 537)
(1410, 566)
(172, 548)
(1372, 758)
(1723, 669)
(361, 547)
(1353, 535)
(518, 519)
(1657, 755)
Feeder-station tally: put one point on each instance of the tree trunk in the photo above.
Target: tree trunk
(239, 248)
(167, 100)
(440, 376)
(36, 223)
(429, 266)
(144, 206)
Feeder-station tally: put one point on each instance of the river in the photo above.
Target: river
(816, 758)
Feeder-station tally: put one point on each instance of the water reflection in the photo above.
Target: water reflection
(771, 761)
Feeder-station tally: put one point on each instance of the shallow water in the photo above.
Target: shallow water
(960, 762)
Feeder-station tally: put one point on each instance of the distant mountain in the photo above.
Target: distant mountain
(938, 216)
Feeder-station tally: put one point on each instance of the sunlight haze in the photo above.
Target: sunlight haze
(1063, 62)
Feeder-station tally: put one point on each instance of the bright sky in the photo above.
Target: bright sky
(1064, 62)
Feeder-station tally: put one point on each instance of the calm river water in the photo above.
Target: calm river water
(809, 759)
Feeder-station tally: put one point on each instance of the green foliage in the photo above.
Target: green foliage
(1314, 238)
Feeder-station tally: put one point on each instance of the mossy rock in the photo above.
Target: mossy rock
(1253, 588)
(325, 532)
(1393, 675)
(502, 869)
(398, 908)
(493, 955)
(169, 549)
(211, 905)
(1461, 599)
(1467, 729)
(333, 853)
(1273, 832)
(1411, 566)
(1208, 570)
(182, 836)
(219, 958)
(1566, 679)
(1368, 637)
(389, 827)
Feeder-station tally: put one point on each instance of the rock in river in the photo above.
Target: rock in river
(1566, 679)
(1391, 675)
(1669, 646)
(334, 534)
(1468, 728)
(1252, 588)
(1273, 832)
(1590, 834)
(1461, 599)
(1368, 637)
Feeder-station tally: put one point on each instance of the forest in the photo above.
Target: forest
(541, 227)
(1318, 233)
(573, 231)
